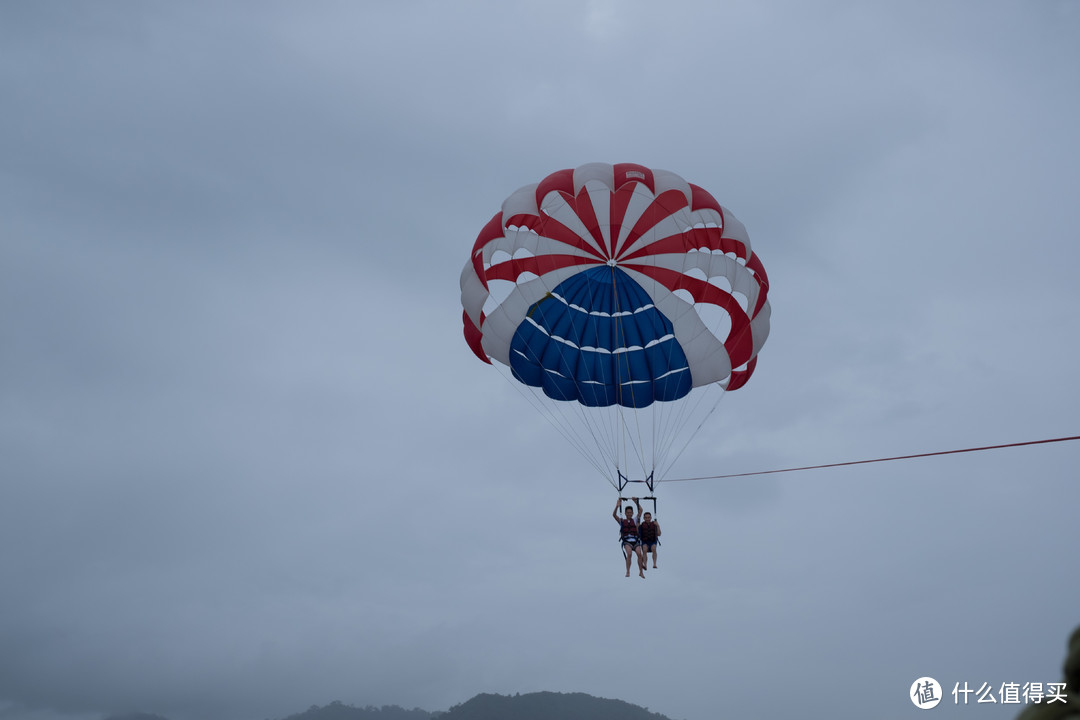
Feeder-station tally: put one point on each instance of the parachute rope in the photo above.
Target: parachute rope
(549, 414)
(876, 460)
(619, 411)
(684, 416)
(684, 412)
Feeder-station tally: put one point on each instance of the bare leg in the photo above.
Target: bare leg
(640, 560)
(626, 553)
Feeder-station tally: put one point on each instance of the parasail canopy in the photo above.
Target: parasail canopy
(626, 300)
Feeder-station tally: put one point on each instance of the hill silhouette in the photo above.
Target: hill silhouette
(531, 706)
(339, 711)
(547, 706)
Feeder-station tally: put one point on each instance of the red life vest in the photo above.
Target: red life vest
(628, 529)
(647, 532)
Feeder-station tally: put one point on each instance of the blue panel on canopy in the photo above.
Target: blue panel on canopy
(598, 340)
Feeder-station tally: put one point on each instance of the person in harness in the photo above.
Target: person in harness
(628, 535)
(649, 534)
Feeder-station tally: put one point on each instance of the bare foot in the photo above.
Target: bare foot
(642, 574)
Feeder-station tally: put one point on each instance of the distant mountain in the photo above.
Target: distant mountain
(548, 706)
(340, 711)
(531, 706)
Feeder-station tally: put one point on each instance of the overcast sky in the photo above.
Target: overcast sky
(249, 463)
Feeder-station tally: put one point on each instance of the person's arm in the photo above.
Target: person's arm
(657, 524)
(638, 519)
(615, 512)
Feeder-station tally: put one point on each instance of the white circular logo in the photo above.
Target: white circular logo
(925, 693)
